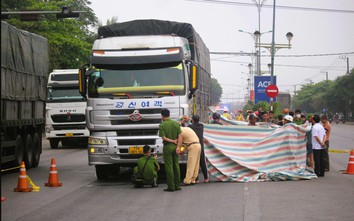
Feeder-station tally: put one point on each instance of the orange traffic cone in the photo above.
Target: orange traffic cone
(350, 168)
(22, 185)
(53, 180)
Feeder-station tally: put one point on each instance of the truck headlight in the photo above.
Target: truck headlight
(97, 141)
(48, 128)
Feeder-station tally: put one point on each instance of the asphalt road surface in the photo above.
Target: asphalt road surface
(82, 197)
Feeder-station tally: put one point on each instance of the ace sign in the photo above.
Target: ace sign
(260, 86)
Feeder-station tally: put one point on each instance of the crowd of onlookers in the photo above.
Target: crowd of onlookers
(317, 138)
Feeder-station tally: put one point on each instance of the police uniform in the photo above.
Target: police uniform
(171, 129)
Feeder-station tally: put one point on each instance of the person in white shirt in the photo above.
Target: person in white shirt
(318, 144)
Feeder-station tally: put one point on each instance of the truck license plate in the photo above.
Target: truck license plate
(69, 134)
(135, 150)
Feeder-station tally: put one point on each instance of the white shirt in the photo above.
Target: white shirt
(318, 131)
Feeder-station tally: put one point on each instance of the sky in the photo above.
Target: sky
(323, 36)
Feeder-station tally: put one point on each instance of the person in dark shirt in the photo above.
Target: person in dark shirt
(198, 128)
(216, 118)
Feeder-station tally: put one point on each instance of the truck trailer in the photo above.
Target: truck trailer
(24, 72)
(136, 69)
(65, 110)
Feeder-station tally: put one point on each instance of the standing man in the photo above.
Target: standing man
(252, 120)
(239, 117)
(191, 141)
(198, 128)
(297, 117)
(318, 144)
(216, 118)
(327, 126)
(170, 132)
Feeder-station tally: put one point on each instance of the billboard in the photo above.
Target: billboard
(260, 85)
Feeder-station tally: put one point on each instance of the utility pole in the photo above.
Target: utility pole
(347, 60)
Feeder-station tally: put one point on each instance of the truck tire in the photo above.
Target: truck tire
(66, 143)
(18, 150)
(36, 150)
(102, 172)
(54, 144)
(28, 151)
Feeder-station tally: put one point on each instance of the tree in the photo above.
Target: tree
(336, 96)
(216, 92)
(70, 39)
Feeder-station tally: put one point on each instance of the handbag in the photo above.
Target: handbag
(138, 178)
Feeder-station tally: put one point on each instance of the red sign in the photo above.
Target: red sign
(272, 90)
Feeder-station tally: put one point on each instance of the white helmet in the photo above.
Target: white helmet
(288, 118)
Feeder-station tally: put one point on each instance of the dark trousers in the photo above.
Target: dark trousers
(318, 156)
(171, 166)
(326, 156)
(202, 164)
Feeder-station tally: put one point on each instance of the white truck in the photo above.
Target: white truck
(136, 69)
(65, 110)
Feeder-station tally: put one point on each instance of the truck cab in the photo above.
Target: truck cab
(65, 110)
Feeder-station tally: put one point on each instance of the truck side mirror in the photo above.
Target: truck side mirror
(99, 82)
(82, 81)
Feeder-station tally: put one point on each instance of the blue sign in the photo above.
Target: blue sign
(260, 85)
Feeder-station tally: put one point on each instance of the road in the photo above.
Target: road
(82, 197)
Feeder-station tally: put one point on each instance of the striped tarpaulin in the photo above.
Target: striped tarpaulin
(253, 153)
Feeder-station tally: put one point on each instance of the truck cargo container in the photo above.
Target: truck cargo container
(24, 71)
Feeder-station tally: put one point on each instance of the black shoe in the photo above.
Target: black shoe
(168, 190)
(154, 185)
(178, 188)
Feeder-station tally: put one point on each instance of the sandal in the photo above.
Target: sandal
(206, 180)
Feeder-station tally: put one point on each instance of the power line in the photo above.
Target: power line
(277, 6)
(301, 55)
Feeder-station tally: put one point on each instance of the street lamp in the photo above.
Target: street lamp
(257, 37)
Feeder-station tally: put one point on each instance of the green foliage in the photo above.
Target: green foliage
(336, 96)
(216, 92)
(263, 104)
(277, 108)
(70, 39)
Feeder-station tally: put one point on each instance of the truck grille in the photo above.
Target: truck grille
(65, 118)
(136, 142)
(142, 121)
(137, 132)
(69, 127)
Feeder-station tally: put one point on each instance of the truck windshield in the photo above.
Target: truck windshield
(64, 94)
(140, 81)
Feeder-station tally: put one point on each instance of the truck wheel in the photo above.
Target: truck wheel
(102, 172)
(28, 151)
(18, 150)
(36, 150)
(65, 143)
(54, 143)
